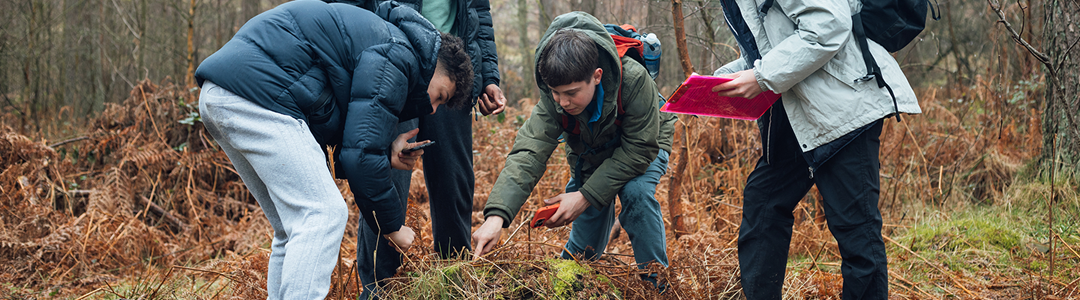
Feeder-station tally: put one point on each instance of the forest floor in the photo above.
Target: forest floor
(139, 203)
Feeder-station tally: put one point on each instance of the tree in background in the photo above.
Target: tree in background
(1061, 132)
(64, 59)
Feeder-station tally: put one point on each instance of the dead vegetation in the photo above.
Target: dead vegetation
(142, 204)
(138, 189)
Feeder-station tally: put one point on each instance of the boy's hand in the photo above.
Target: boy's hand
(402, 161)
(487, 236)
(572, 205)
(743, 84)
(492, 100)
(402, 239)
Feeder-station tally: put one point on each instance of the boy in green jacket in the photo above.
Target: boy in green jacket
(613, 149)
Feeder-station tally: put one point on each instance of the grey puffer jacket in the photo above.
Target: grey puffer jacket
(809, 54)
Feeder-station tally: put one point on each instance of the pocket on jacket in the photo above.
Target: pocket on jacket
(840, 67)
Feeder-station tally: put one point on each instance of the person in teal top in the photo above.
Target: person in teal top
(441, 13)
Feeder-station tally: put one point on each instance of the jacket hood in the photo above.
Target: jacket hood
(422, 35)
(609, 57)
(425, 41)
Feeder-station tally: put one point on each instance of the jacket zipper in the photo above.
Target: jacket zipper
(768, 142)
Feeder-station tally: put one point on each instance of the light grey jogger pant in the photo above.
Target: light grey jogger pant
(285, 169)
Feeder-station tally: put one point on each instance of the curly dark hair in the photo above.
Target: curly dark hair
(570, 56)
(458, 66)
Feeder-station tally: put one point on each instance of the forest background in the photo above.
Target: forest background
(112, 189)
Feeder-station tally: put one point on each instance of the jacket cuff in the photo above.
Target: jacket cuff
(496, 211)
(490, 81)
(592, 197)
(391, 226)
(757, 77)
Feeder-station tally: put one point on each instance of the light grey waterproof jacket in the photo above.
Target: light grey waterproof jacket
(810, 55)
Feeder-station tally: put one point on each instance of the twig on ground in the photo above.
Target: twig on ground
(912, 284)
(176, 224)
(937, 267)
(71, 140)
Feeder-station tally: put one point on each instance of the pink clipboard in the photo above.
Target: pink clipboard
(695, 97)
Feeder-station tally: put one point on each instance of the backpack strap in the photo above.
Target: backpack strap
(590, 151)
(873, 72)
(570, 125)
(620, 111)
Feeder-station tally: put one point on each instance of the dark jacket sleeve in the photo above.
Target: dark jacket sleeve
(379, 81)
(485, 37)
(526, 163)
(365, 4)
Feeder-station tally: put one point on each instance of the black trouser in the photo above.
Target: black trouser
(376, 258)
(448, 172)
(849, 186)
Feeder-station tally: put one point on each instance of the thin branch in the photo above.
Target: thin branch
(124, 20)
(174, 223)
(936, 266)
(72, 140)
(1043, 58)
(16, 108)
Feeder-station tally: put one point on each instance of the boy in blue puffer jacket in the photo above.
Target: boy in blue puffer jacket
(451, 161)
(308, 74)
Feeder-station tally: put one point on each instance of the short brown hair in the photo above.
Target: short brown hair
(569, 56)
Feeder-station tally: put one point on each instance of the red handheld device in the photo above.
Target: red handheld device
(543, 214)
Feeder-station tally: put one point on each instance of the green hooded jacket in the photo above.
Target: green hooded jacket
(644, 130)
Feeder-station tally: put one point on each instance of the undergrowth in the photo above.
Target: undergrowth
(141, 204)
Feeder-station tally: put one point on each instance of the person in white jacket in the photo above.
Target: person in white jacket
(823, 131)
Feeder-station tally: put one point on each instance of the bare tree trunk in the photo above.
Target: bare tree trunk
(525, 46)
(710, 35)
(1061, 131)
(34, 68)
(248, 9)
(675, 209)
(189, 78)
(547, 13)
(680, 37)
(63, 59)
(99, 61)
(141, 15)
(588, 6)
